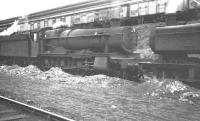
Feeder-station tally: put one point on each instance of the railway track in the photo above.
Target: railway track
(11, 110)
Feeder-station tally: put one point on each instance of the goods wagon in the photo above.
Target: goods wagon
(178, 49)
(176, 39)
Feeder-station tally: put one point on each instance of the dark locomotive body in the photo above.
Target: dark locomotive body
(179, 52)
(107, 50)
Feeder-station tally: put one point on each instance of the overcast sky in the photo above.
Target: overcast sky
(13, 8)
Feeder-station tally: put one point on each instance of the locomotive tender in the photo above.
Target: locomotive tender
(109, 50)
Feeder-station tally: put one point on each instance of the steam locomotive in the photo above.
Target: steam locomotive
(106, 50)
(178, 50)
(110, 50)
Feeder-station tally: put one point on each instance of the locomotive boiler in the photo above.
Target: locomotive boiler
(102, 39)
(179, 52)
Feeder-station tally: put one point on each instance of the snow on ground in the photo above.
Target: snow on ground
(12, 29)
(143, 47)
(57, 74)
(160, 88)
(170, 88)
(100, 97)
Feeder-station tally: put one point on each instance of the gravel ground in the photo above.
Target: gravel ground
(102, 98)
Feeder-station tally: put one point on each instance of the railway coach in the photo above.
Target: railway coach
(104, 13)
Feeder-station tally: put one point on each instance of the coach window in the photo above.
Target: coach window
(42, 24)
(38, 25)
(35, 37)
(46, 23)
(53, 21)
(21, 27)
(62, 19)
(50, 22)
(58, 19)
(31, 26)
(35, 25)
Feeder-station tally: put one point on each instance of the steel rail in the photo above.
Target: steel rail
(36, 111)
